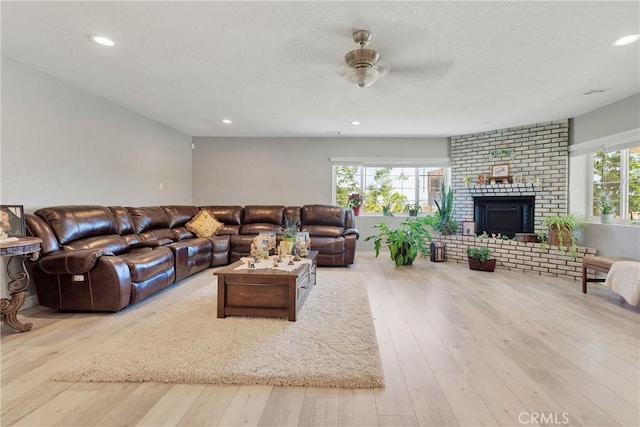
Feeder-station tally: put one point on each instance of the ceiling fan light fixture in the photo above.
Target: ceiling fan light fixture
(362, 76)
(365, 67)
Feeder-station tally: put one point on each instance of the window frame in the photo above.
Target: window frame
(623, 217)
(444, 164)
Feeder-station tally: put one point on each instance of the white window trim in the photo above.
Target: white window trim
(624, 187)
(411, 162)
(382, 162)
(615, 142)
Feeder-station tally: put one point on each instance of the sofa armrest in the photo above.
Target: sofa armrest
(151, 243)
(72, 262)
(351, 231)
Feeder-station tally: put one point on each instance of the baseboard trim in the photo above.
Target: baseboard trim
(30, 301)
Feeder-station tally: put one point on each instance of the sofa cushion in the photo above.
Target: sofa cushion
(256, 214)
(230, 216)
(148, 217)
(182, 233)
(253, 229)
(123, 220)
(70, 223)
(178, 215)
(158, 234)
(145, 263)
(204, 224)
(113, 243)
(323, 230)
(322, 215)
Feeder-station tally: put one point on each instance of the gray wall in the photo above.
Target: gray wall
(614, 118)
(608, 239)
(287, 171)
(61, 145)
(292, 171)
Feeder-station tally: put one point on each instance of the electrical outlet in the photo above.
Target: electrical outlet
(78, 277)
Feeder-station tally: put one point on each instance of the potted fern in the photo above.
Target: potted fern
(480, 258)
(443, 220)
(405, 241)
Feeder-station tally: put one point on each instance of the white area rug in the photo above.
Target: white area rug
(333, 344)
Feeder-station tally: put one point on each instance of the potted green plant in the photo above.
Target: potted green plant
(405, 241)
(480, 258)
(413, 208)
(355, 201)
(443, 221)
(606, 209)
(560, 232)
(288, 230)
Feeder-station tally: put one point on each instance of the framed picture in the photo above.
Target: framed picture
(468, 228)
(499, 171)
(12, 220)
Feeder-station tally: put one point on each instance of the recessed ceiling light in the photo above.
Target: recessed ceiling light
(102, 40)
(626, 40)
(355, 123)
(226, 121)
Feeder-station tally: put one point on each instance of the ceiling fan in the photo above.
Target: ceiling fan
(365, 66)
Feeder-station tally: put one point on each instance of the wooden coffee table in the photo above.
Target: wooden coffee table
(264, 292)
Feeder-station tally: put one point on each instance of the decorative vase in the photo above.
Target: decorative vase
(488, 265)
(356, 210)
(606, 218)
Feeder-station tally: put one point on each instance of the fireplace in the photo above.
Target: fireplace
(506, 215)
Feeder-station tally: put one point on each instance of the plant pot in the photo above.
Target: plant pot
(356, 210)
(413, 212)
(561, 237)
(606, 218)
(402, 253)
(488, 265)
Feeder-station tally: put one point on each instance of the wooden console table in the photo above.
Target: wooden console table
(18, 251)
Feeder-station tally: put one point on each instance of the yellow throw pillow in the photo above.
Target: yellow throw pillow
(204, 224)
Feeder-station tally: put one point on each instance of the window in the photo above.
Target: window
(616, 176)
(389, 190)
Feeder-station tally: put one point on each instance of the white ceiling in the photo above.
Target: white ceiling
(273, 67)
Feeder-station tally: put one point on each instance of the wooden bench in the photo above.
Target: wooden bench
(600, 264)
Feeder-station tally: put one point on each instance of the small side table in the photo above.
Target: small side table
(18, 251)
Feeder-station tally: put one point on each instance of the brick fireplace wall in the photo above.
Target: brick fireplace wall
(539, 156)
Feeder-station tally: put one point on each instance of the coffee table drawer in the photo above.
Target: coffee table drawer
(256, 295)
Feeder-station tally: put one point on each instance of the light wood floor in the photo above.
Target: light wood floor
(458, 347)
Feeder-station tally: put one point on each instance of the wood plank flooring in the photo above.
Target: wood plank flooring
(458, 347)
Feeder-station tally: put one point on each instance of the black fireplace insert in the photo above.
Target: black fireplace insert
(505, 215)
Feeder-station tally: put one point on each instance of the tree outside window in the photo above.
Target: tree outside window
(389, 190)
(616, 177)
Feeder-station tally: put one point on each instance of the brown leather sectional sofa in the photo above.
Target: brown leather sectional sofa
(99, 258)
